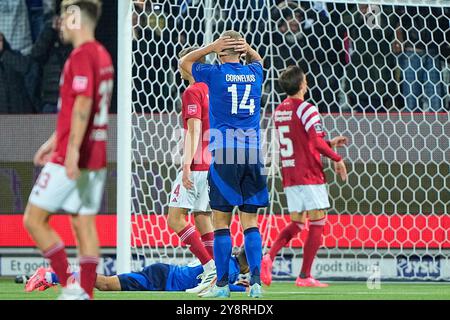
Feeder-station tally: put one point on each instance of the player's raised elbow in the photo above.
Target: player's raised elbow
(185, 65)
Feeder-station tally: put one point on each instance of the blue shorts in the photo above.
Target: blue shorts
(240, 181)
(151, 278)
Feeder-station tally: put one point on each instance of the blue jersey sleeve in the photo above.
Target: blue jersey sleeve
(257, 68)
(202, 72)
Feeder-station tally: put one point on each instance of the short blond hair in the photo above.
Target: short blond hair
(234, 35)
(92, 8)
(231, 33)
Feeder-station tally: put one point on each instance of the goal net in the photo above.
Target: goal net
(378, 72)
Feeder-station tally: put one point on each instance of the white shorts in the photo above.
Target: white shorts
(196, 199)
(54, 191)
(307, 197)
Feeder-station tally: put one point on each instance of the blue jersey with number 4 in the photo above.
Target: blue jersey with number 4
(234, 103)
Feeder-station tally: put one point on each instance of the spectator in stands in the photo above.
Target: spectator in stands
(13, 90)
(325, 36)
(371, 86)
(152, 36)
(43, 67)
(420, 37)
(15, 26)
(50, 53)
(288, 42)
(38, 11)
(313, 33)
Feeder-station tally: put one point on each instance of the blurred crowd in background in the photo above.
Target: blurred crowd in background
(32, 53)
(32, 56)
(359, 58)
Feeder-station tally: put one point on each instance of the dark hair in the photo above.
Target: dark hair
(187, 50)
(290, 80)
(92, 8)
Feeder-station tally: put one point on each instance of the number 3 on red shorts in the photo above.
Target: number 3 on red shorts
(43, 179)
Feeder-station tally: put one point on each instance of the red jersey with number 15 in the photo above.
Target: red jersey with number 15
(298, 123)
(88, 72)
(195, 105)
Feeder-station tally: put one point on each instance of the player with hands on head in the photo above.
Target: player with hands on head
(236, 177)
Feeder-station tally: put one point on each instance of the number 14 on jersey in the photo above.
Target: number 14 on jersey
(243, 104)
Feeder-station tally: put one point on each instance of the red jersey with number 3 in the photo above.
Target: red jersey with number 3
(88, 72)
(298, 123)
(195, 105)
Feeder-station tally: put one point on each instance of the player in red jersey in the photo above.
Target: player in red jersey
(74, 157)
(301, 145)
(190, 189)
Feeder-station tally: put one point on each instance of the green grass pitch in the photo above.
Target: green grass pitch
(277, 291)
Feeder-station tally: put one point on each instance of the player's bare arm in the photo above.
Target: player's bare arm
(80, 119)
(251, 55)
(341, 170)
(194, 129)
(339, 167)
(42, 156)
(338, 142)
(217, 46)
(324, 149)
(105, 283)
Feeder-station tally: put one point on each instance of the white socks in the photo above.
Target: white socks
(209, 266)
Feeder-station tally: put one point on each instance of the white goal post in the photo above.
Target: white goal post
(374, 77)
(124, 66)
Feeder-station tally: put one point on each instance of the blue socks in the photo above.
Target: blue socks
(222, 255)
(253, 251)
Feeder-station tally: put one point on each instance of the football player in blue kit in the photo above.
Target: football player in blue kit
(155, 277)
(236, 177)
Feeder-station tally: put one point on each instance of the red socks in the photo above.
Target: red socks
(208, 242)
(58, 261)
(290, 231)
(190, 237)
(60, 265)
(88, 274)
(312, 244)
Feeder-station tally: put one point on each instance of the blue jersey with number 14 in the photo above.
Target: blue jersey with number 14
(234, 103)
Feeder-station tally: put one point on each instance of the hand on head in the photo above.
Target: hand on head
(224, 43)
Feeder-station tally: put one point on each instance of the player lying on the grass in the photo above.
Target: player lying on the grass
(238, 181)
(74, 157)
(156, 277)
(190, 189)
(301, 140)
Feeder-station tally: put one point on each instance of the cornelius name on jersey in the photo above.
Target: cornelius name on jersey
(240, 78)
